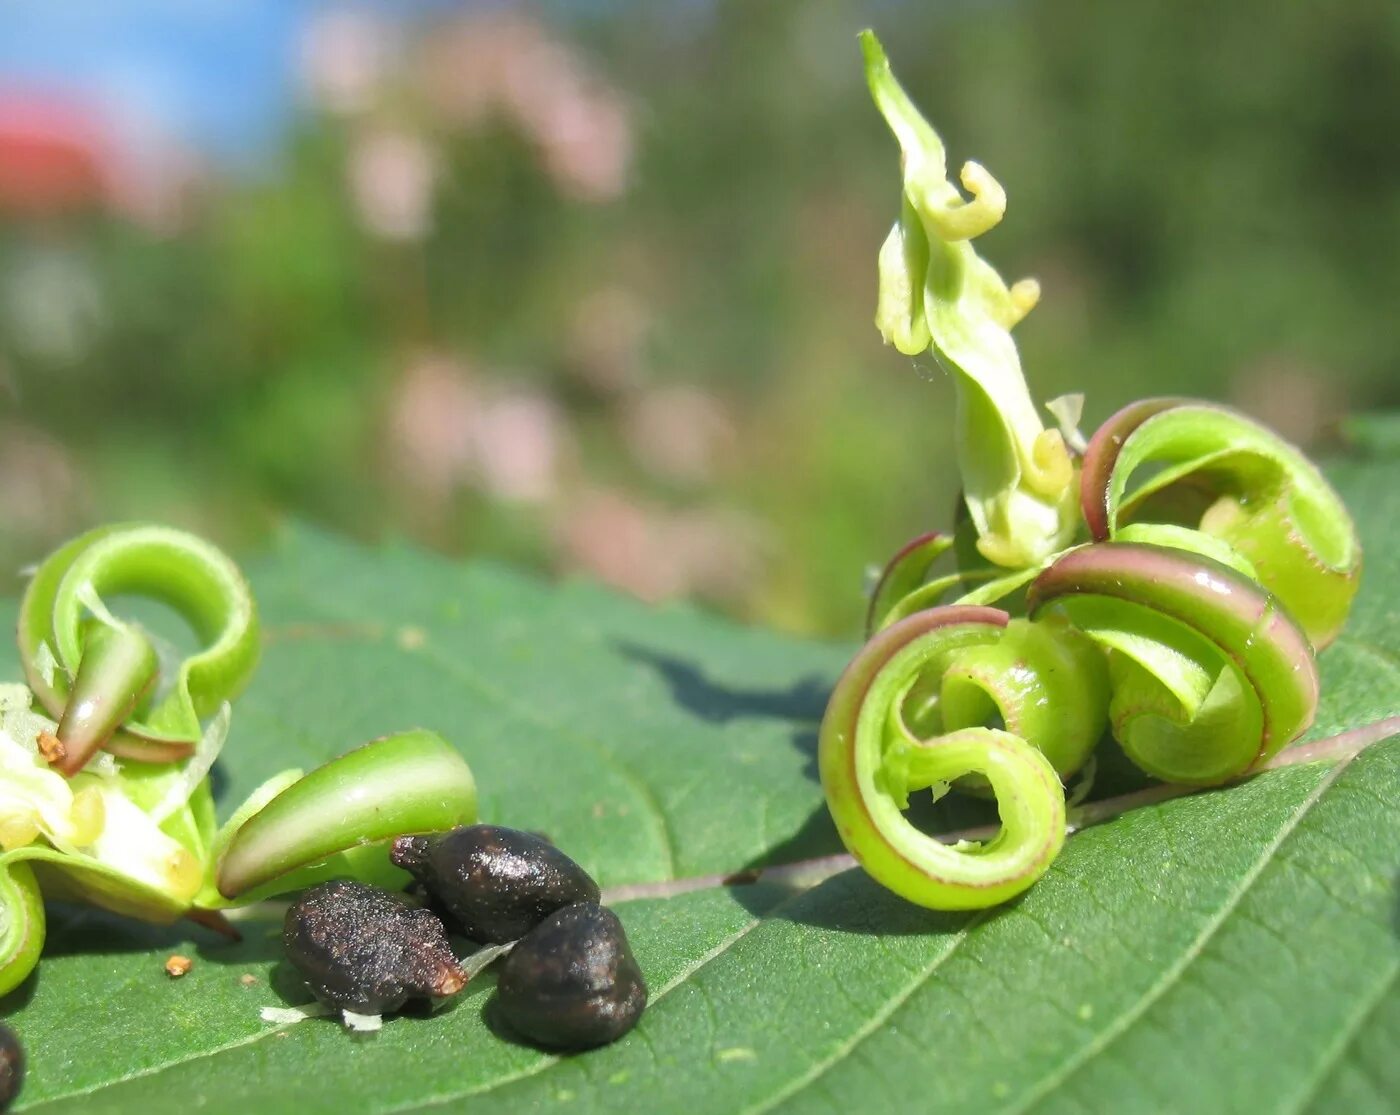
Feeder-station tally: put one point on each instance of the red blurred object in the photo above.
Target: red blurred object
(55, 156)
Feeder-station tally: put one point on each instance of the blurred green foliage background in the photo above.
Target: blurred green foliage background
(590, 288)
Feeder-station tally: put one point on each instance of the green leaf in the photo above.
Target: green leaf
(1232, 950)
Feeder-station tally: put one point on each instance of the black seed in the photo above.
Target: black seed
(497, 883)
(420, 895)
(11, 1066)
(365, 950)
(572, 982)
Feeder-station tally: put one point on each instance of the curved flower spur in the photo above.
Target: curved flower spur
(104, 788)
(1180, 613)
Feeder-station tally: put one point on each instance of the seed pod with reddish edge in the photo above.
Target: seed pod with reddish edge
(497, 883)
(366, 950)
(572, 982)
(11, 1066)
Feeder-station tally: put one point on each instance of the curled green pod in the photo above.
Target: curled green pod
(912, 580)
(90, 670)
(893, 726)
(21, 923)
(1210, 674)
(1022, 680)
(1237, 481)
(335, 820)
(906, 584)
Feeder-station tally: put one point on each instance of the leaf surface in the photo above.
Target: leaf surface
(1233, 950)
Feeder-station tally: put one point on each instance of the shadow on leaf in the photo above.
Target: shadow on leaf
(76, 930)
(800, 704)
(1395, 919)
(494, 1019)
(87, 930)
(853, 902)
(716, 703)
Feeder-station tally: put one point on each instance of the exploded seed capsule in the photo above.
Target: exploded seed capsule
(497, 883)
(366, 950)
(572, 982)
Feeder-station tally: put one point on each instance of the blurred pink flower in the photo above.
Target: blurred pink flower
(655, 553)
(580, 125)
(448, 430)
(1297, 399)
(430, 408)
(41, 489)
(607, 535)
(344, 57)
(516, 436)
(679, 433)
(510, 65)
(391, 179)
(55, 155)
(61, 155)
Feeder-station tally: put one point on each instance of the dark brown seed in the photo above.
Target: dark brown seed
(496, 883)
(11, 1066)
(572, 982)
(420, 895)
(365, 950)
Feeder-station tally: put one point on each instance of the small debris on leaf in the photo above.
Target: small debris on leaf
(177, 966)
(362, 1023)
(496, 883)
(287, 1016)
(572, 982)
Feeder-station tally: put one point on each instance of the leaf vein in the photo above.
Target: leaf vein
(1346, 1038)
(679, 978)
(1169, 978)
(845, 1048)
